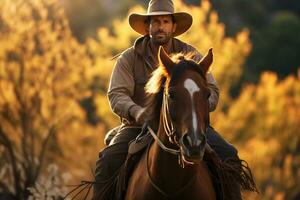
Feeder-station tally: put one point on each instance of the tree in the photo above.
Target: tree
(44, 74)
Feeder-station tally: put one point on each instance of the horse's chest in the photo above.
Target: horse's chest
(141, 188)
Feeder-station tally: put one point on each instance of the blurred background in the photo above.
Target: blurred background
(55, 65)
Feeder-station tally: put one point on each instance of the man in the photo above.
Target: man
(131, 72)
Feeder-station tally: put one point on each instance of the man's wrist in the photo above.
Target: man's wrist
(133, 110)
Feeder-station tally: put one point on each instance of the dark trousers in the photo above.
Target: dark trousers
(113, 156)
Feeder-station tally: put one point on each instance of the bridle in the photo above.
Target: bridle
(170, 131)
(168, 127)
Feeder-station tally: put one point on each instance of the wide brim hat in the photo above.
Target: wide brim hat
(160, 7)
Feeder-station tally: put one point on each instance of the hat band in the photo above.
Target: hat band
(158, 13)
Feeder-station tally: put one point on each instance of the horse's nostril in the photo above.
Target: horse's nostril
(195, 143)
(192, 148)
(189, 140)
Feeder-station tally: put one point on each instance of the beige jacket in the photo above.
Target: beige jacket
(132, 71)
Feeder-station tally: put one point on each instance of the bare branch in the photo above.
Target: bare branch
(41, 157)
(8, 144)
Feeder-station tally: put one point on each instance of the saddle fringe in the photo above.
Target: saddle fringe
(80, 188)
(103, 190)
(229, 174)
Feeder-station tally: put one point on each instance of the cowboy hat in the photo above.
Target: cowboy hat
(160, 7)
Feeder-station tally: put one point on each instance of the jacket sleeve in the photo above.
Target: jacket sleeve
(214, 92)
(121, 87)
(212, 83)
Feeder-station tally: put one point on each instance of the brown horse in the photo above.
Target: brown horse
(173, 167)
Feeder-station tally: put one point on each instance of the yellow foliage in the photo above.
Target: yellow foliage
(272, 103)
(44, 75)
(104, 110)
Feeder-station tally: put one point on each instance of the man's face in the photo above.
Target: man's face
(161, 29)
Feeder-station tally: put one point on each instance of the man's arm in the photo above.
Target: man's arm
(214, 92)
(121, 88)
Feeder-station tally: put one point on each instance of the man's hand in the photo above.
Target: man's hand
(139, 114)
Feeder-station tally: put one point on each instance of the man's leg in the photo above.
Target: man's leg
(110, 160)
(220, 146)
(224, 150)
(110, 135)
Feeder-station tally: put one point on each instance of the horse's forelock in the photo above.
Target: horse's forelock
(159, 75)
(184, 65)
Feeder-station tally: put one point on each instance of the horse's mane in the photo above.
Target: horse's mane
(155, 86)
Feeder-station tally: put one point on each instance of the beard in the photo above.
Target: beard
(160, 37)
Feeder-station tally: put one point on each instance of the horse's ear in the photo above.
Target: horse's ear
(165, 61)
(206, 61)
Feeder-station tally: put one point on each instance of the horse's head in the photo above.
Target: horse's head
(185, 107)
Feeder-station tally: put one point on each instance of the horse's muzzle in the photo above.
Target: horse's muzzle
(192, 150)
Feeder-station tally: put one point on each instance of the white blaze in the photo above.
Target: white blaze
(192, 87)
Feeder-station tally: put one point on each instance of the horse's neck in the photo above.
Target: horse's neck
(164, 167)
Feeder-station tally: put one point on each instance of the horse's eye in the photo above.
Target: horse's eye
(171, 96)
